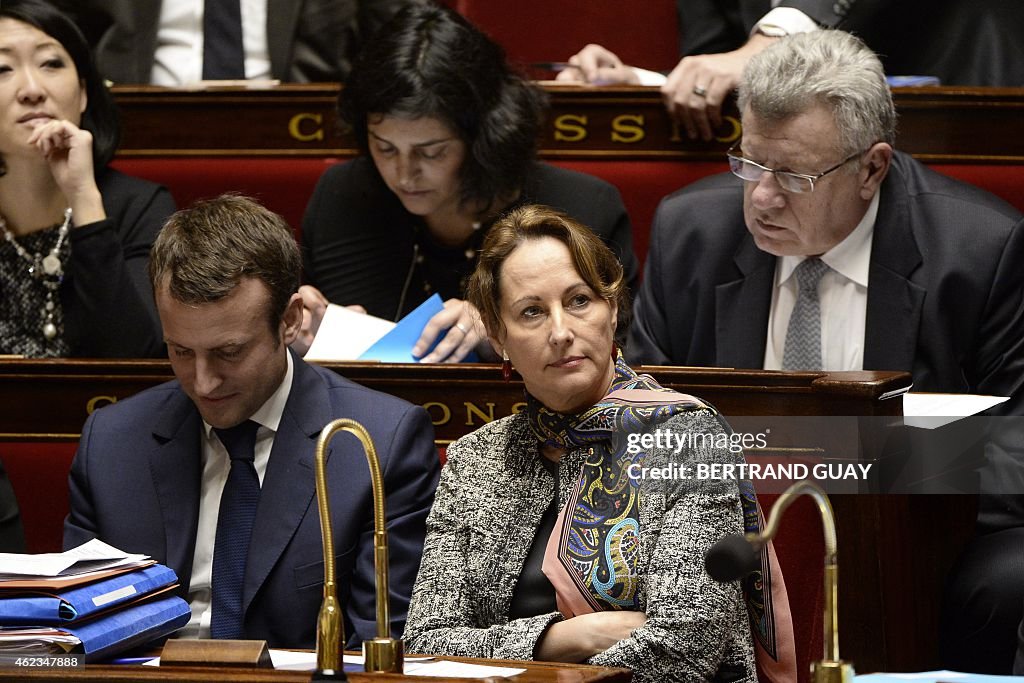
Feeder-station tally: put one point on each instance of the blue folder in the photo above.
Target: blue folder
(123, 629)
(37, 608)
(911, 81)
(396, 345)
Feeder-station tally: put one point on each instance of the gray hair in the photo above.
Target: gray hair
(826, 67)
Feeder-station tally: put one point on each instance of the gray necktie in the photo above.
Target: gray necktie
(803, 337)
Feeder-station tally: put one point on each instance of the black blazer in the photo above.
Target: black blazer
(945, 292)
(109, 311)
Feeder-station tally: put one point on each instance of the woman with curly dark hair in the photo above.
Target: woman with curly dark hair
(448, 134)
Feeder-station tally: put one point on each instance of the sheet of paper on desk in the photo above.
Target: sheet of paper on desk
(293, 660)
(290, 660)
(414, 666)
(36, 641)
(930, 411)
(345, 334)
(443, 669)
(936, 677)
(88, 557)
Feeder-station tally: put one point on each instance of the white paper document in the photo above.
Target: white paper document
(414, 666)
(88, 557)
(443, 669)
(930, 411)
(345, 334)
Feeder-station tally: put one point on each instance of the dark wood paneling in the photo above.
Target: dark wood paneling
(50, 399)
(940, 124)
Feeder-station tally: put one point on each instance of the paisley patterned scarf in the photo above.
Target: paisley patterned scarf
(593, 556)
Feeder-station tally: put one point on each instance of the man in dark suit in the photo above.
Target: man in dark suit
(150, 470)
(942, 258)
(306, 40)
(920, 272)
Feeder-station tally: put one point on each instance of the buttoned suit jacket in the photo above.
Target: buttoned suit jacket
(135, 484)
(307, 40)
(963, 42)
(945, 285)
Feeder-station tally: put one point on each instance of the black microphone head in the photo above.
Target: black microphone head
(731, 558)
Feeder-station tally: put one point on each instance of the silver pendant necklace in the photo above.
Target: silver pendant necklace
(47, 269)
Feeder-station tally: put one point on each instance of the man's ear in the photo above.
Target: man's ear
(876, 166)
(291, 321)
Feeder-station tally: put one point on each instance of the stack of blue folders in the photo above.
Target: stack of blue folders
(105, 616)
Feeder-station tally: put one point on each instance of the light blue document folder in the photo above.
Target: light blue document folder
(36, 608)
(396, 345)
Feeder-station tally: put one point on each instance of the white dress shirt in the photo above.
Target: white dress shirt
(179, 42)
(216, 464)
(843, 298)
(784, 21)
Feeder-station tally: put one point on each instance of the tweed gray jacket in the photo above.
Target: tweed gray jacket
(492, 494)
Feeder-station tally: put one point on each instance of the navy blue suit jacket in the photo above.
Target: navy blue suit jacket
(945, 285)
(135, 483)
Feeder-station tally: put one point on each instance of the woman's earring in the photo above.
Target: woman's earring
(615, 352)
(506, 366)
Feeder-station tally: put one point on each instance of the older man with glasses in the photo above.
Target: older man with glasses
(826, 245)
(825, 249)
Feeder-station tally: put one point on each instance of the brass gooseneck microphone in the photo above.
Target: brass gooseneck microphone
(736, 556)
(383, 654)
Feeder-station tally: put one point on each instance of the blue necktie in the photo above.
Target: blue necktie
(223, 50)
(803, 336)
(234, 529)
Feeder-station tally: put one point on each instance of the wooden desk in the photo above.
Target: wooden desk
(49, 400)
(936, 124)
(275, 144)
(536, 672)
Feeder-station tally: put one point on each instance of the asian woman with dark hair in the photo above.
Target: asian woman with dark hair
(448, 134)
(76, 234)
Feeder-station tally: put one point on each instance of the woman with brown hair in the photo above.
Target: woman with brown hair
(549, 538)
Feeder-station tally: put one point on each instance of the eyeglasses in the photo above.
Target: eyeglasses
(797, 183)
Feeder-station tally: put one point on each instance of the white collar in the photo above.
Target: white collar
(851, 258)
